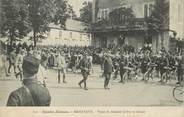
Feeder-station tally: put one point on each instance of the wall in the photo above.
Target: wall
(70, 38)
(136, 39)
(177, 17)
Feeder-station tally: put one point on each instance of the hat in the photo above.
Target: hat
(30, 64)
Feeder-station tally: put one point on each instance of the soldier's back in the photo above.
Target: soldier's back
(36, 95)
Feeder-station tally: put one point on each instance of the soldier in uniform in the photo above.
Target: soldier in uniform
(122, 64)
(18, 63)
(163, 64)
(144, 65)
(31, 93)
(61, 66)
(108, 69)
(85, 69)
(180, 68)
(12, 61)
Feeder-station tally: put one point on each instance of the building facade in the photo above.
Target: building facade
(106, 34)
(73, 35)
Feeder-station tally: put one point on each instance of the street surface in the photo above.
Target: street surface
(134, 93)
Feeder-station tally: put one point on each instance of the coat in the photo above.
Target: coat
(13, 57)
(37, 95)
(84, 65)
(61, 62)
(108, 65)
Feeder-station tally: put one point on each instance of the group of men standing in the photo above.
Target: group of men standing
(32, 93)
(86, 68)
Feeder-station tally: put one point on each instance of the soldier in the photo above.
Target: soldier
(61, 63)
(3, 68)
(144, 64)
(12, 61)
(163, 64)
(108, 69)
(122, 64)
(31, 93)
(19, 61)
(85, 69)
(180, 68)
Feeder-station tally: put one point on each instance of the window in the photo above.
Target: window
(60, 34)
(148, 8)
(145, 10)
(103, 14)
(106, 13)
(70, 34)
(99, 14)
(151, 8)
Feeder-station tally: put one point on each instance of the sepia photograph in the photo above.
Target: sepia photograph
(91, 53)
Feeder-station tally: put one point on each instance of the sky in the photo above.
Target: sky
(77, 5)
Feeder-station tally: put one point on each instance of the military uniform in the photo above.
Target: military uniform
(85, 69)
(31, 94)
(108, 69)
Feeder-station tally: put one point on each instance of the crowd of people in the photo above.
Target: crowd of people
(128, 64)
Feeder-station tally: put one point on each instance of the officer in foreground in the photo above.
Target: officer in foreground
(31, 93)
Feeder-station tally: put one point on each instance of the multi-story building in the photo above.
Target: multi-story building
(0, 14)
(73, 35)
(107, 33)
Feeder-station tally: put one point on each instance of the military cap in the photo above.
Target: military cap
(30, 64)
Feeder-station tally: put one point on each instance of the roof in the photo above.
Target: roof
(71, 24)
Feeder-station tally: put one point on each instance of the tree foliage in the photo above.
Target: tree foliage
(14, 19)
(40, 16)
(159, 18)
(86, 13)
(62, 11)
(20, 17)
(158, 22)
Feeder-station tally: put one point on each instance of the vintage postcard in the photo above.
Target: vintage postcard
(92, 58)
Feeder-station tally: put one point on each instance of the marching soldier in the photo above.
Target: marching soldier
(85, 69)
(108, 69)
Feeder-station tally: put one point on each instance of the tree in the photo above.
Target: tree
(14, 19)
(20, 17)
(44, 12)
(62, 11)
(86, 12)
(40, 16)
(159, 19)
